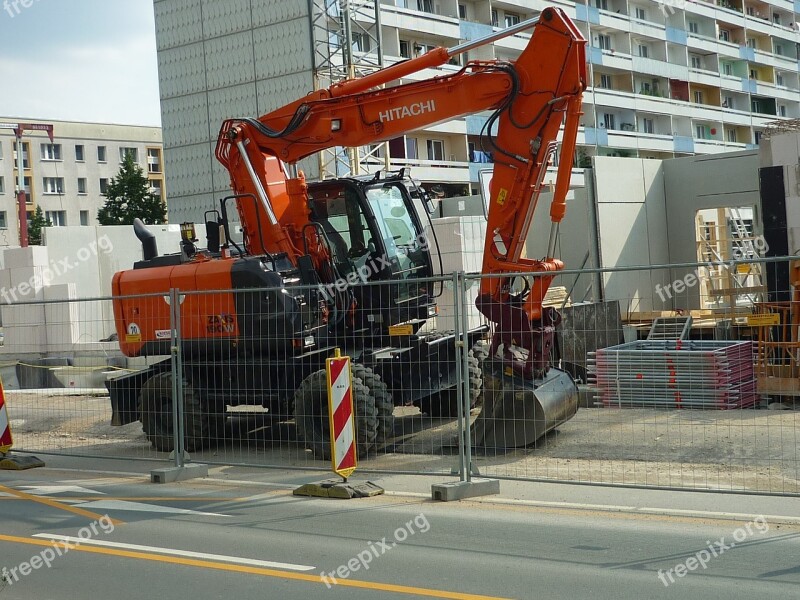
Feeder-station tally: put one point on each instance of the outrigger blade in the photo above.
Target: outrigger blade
(517, 412)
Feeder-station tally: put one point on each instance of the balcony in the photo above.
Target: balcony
(435, 170)
(704, 76)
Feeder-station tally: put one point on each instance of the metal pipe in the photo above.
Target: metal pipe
(493, 37)
(262, 193)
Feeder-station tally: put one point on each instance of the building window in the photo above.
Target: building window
(425, 5)
(495, 18)
(154, 160)
(101, 154)
(411, 148)
(779, 49)
(435, 149)
(605, 82)
(693, 27)
(604, 42)
(157, 190)
(608, 121)
(640, 13)
(697, 62)
(2, 186)
(103, 185)
(753, 74)
(727, 68)
(53, 185)
(648, 126)
(724, 35)
(644, 51)
(782, 110)
(751, 43)
(81, 185)
(698, 97)
(85, 218)
(776, 18)
(361, 42)
(79, 153)
(511, 19)
(125, 152)
(727, 102)
(462, 12)
(732, 135)
(758, 137)
(51, 151)
(602, 4)
(57, 217)
(405, 49)
(3, 220)
(700, 132)
(26, 163)
(778, 78)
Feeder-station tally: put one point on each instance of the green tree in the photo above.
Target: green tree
(128, 197)
(35, 226)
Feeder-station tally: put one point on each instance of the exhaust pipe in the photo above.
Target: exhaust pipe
(148, 239)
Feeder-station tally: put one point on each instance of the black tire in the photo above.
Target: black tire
(383, 402)
(444, 405)
(155, 410)
(311, 415)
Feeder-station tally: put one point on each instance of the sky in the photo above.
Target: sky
(79, 60)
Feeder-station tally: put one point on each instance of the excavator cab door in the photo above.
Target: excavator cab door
(375, 236)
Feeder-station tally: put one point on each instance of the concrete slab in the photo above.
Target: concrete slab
(170, 474)
(338, 489)
(458, 490)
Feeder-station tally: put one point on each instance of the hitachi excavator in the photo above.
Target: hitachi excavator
(346, 263)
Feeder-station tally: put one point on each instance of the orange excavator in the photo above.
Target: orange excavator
(347, 262)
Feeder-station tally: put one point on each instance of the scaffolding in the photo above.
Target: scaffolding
(347, 43)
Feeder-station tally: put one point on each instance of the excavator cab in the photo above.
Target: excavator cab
(378, 247)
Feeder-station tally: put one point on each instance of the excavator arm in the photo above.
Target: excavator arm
(529, 99)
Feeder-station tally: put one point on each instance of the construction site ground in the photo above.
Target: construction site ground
(741, 450)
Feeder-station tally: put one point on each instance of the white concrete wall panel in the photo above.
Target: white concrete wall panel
(191, 171)
(224, 18)
(229, 60)
(277, 91)
(266, 12)
(188, 116)
(178, 22)
(282, 49)
(181, 70)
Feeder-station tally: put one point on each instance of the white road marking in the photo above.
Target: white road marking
(173, 552)
(47, 490)
(141, 507)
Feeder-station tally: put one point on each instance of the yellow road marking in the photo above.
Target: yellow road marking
(55, 504)
(207, 564)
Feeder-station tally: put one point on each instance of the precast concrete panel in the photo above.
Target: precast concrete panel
(266, 12)
(191, 170)
(178, 22)
(282, 49)
(224, 18)
(181, 70)
(188, 119)
(229, 60)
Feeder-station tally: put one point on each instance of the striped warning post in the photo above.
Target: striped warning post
(5, 427)
(342, 422)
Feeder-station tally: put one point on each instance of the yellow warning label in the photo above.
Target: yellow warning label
(133, 337)
(765, 319)
(501, 197)
(401, 330)
(744, 269)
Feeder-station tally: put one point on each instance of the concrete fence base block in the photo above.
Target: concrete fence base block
(336, 488)
(170, 474)
(458, 490)
(15, 462)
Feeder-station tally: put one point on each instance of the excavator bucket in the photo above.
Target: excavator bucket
(517, 412)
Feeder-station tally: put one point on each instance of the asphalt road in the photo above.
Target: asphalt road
(229, 539)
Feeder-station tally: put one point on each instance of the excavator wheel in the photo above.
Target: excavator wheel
(383, 402)
(155, 409)
(445, 403)
(311, 415)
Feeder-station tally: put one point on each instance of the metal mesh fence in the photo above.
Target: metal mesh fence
(709, 403)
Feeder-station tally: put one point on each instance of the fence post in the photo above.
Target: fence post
(177, 375)
(457, 310)
(466, 391)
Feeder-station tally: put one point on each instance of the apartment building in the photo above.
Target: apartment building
(666, 79)
(68, 176)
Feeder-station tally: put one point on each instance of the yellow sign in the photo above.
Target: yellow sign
(763, 319)
(744, 269)
(501, 197)
(401, 330)
(133, 338)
